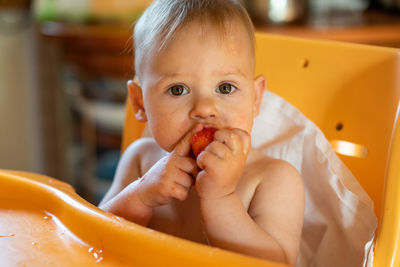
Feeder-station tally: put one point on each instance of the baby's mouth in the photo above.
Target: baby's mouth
(208, 126)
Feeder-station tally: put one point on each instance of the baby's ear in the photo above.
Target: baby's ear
(260, 84)
(136, 99)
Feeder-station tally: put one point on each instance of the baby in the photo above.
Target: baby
(194, 62)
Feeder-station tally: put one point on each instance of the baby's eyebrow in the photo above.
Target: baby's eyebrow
(161, 78)
(174, 75)
(234, 72)
(237, 71)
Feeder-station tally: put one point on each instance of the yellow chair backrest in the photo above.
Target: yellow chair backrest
(351, 92)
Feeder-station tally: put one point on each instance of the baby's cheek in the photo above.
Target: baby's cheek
(165, 142)
(242, 120)
(169, 134)
(159, 131)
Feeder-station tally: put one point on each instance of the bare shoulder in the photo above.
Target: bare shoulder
(141, 145)
(141, 154)
(278, 180)
(273, 171)
(280, 172)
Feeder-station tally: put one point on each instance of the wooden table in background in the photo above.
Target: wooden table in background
(107, 49)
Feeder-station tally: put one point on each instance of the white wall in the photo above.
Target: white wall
(20, 132)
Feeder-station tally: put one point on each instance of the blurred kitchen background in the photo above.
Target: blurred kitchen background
(64, 66)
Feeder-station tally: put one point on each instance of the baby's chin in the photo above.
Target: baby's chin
(167, 147)
(166, 144)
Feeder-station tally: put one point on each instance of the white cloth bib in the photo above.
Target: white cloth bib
(339, 220)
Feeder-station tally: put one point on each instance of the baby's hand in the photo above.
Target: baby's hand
(222, 163)
(171, 177)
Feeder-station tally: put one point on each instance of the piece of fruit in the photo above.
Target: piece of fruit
(202, 139)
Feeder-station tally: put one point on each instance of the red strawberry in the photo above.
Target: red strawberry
(202, 139)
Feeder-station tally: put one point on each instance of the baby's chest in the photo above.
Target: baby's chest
(180, 219)
(183, 218)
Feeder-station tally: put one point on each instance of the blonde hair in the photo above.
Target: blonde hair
(161, 21)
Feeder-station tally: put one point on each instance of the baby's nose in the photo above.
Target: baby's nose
(203, 108)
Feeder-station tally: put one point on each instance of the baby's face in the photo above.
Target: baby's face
(200, 79)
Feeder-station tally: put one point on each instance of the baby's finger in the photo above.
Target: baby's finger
(187, 164)
(179, 192)
(219, 149)
(185, 181)
(208, 161)
(189, 167)
(245, 139)
(183, 148)
(230, 139)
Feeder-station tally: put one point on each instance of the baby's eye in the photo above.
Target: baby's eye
(226, 88)
(178, 90)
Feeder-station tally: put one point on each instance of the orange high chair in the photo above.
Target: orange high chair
(350, 91)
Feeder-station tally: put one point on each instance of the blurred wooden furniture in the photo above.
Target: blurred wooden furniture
(95, 49)
(15, 4)
(380, 35)
(372, 27)
(97, 55)
(107, 49)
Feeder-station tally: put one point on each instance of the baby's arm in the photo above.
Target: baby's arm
(271, 228)
(170, 177)
(122, 199)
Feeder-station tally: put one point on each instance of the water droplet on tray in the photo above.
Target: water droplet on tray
(97, 254)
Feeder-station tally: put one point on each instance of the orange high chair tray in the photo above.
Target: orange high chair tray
(43, 222)
(349, 91)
